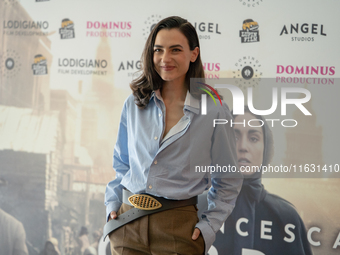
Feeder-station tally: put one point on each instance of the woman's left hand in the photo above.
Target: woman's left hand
(196, 234)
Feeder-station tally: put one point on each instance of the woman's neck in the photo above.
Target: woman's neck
(173, 91)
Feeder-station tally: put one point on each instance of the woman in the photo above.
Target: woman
(261, 222)
(154, 153)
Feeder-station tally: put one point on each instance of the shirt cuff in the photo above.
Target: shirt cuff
(207, 233)
(113, 206)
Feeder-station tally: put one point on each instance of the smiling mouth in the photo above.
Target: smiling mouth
(243, 161)
(167, 68)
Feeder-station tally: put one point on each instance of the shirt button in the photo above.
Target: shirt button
(160, 115)
(155, 162)
(150, 187)
(155, 137)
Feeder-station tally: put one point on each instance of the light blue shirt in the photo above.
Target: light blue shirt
(145, 163)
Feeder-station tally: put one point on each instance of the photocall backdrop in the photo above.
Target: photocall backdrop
(65, 71)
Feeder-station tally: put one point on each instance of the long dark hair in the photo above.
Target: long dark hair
(150, 80)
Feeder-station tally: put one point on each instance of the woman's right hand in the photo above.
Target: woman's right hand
(113, 215)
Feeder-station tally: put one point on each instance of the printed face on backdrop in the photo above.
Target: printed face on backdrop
(249, 142)
(172, 55)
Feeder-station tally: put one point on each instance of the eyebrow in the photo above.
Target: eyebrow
(172, 46)
(254, 131)
(251, 131)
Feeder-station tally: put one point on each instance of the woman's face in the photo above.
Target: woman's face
(249, 142)
(172, 55)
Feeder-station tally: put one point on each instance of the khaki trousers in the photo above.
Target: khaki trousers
(164, 233)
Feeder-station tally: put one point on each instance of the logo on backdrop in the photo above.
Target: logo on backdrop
(248, 72)
(130, 67)
(67, 29)
(250, 31)
(253, 3)
(212, 70)
(149, 24)
(42, 0)
(293, 74)
(112, 29)
(75, 66)
(303, 32)
(25, 28)
(206, 30)
(10, 64)
(39, 66)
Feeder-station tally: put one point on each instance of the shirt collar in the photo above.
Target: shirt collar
(191, 104)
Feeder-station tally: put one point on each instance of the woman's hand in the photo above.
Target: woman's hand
(113, 215)
(196, 234)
